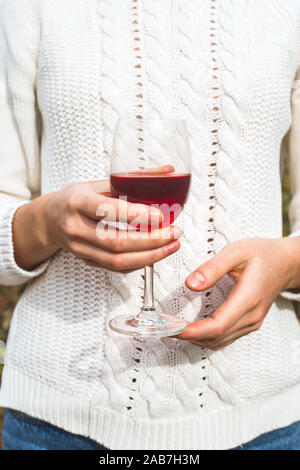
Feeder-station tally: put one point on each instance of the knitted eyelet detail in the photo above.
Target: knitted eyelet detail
(215, 146)
(138, 74)
(212, 172)
(137, 56)
(135, 372)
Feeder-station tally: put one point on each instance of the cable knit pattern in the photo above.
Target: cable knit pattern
(77, 66)
(229, 101)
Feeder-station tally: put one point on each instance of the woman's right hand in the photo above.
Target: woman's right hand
(69, 219)
(76, 212)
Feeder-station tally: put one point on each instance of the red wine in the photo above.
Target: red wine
(168, 192)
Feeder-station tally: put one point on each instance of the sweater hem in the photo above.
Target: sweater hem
(222, 429)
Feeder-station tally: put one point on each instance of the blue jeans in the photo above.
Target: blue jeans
(21, 432)
(281, 439)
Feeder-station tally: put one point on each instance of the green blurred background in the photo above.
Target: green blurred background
(9, 295)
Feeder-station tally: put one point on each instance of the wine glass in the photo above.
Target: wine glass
(150, 165)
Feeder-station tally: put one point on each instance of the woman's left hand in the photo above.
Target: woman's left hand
(262, 268)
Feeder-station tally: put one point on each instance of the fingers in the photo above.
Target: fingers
(216, 327)
(132, 241)
(159, 170)
(98, 206)
(221, 344)
(227, 339)
(246, 323)
(123, 262)
(250, 263)
(230, 337)
(201, 330)
(122, 241)
(241, 301)
(212, 271)
(93, 202)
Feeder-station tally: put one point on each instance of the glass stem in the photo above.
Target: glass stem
(148, 308)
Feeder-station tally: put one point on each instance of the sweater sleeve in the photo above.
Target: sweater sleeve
(19, 126)
(292, 153)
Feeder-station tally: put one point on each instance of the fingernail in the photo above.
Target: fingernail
(177, 233)
(195, 280)
(172, 247)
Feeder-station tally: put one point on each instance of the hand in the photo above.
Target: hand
(261, 268)
(70, 219)
(74, 214)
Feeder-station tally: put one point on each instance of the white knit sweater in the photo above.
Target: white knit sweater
(69, 72)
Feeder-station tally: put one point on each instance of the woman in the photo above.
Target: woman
(70, 71)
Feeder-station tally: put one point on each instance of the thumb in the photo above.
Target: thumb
(213, 270)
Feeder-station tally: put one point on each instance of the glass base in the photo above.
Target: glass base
(164, 325)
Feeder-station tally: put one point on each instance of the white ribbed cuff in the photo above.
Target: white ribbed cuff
(295, 297)
(10, 273)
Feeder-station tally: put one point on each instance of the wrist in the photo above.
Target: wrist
(32, 237)
(43, 211)
(292, 262)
